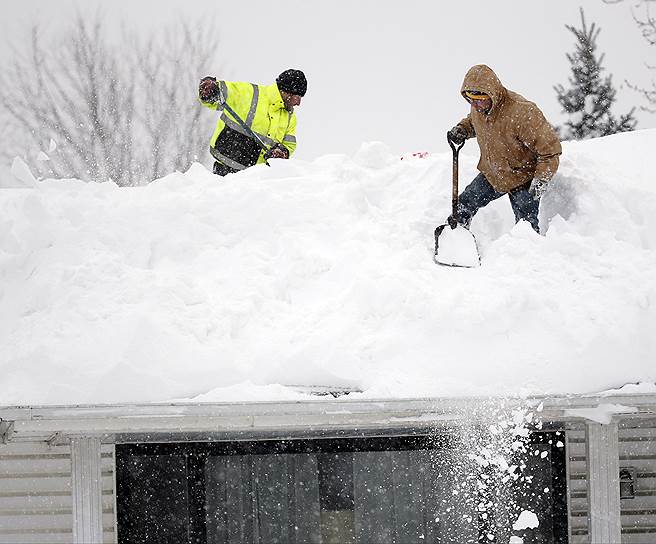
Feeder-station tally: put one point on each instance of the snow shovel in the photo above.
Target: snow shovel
(455, 246)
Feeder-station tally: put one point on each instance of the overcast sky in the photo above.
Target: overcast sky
(382, 70)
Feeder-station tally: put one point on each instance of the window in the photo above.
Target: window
(329, 491)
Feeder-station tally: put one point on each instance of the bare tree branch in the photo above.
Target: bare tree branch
(647, 26)
(128, 113)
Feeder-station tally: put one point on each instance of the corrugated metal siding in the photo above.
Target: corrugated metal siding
(637, 448)
(577, 487)
(35, 494)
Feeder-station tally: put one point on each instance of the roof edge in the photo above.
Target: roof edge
(123, 422)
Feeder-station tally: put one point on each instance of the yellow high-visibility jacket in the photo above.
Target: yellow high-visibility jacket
(262, 109)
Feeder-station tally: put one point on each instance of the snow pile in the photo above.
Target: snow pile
(526, 520)
(321, 273)
(601, 414)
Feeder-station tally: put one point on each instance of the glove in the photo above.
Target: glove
(278, 151)
(457, 219)
(208, 90)
(537, 188)
(457, 134)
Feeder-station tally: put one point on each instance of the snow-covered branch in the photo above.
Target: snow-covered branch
(123, 112)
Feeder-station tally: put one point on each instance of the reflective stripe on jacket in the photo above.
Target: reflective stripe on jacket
(262, 109)
(517, 143)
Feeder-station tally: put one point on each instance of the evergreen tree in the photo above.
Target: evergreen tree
(589, 100)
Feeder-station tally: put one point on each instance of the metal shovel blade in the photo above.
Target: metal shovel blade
(456, 247)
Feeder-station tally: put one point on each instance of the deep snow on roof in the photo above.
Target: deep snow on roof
(321, 274)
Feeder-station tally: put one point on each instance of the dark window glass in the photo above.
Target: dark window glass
(338, 491)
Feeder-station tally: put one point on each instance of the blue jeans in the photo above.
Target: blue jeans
(480, 193)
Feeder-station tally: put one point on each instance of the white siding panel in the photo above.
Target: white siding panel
(35, 494)
(62, 520)
(32, 537)
(638, 450)
(45, 482)
(631, 433)
(642, 538)
(57, 499)
(577, 487)
(25, 464)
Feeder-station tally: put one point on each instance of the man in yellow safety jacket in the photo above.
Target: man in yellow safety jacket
(268, 110)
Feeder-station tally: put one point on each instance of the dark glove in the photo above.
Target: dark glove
(208, 90)
(278, 151)
(456, 219)
(457, 134)
(537, 188)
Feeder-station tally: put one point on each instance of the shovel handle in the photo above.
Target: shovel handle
(454, 194)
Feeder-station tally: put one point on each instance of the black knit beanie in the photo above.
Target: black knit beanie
(292, 81)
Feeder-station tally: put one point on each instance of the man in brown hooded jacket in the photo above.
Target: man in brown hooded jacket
(519, 148)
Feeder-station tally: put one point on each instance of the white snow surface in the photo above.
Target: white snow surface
(21, 175)
(526, 520)
(457, 247)
(209, 289)
(601, 414)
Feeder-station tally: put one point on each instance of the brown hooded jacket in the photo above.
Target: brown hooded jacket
(517, 143)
